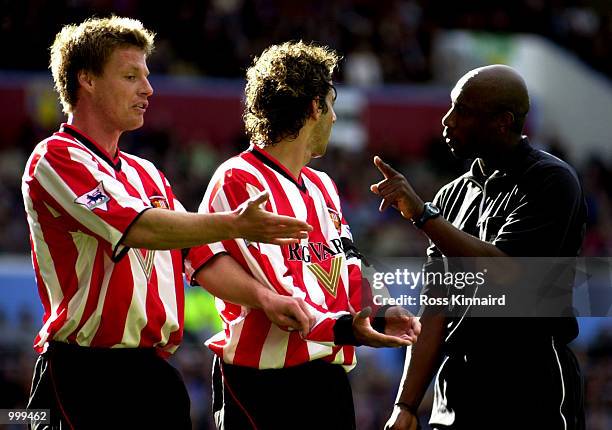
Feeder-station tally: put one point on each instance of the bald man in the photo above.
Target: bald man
(515, 201)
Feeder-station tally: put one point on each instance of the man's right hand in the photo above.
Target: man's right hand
(402, 419)
(286, 311)
(258, 225)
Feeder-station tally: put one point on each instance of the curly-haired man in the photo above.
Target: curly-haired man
(106, 233)
(265, 376)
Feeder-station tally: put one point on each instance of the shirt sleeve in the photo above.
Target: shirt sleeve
(87, 192)
(544, 219)
(265, 262)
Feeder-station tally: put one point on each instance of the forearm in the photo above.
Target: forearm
(453, 242)
(224, 278)
(423, 361)
(164, 229)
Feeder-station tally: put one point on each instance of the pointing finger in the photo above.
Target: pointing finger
(384, 168)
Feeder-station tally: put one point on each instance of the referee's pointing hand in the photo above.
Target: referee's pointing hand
(396, 191)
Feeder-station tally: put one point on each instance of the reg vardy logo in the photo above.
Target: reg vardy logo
(317, 255)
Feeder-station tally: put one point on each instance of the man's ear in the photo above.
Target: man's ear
(506, 119)
(86, 80)
(315, 109)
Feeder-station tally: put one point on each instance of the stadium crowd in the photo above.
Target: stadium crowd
(388, 40)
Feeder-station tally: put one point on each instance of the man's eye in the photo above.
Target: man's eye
(131, 77)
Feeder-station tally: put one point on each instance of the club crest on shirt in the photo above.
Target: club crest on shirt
(96, 198)
(335, 217)
(159, 202)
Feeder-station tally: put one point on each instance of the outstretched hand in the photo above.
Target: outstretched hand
(401, 334)
(396, 191)
(258, 225)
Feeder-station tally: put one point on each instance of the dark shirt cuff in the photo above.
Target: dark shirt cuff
(343, 331)
(379, 322)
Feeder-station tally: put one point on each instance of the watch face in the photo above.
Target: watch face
(433, 209)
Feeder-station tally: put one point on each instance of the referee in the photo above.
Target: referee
(106, 233)
(515, 201)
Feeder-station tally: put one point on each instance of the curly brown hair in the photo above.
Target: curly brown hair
(281, 85)
(88, 46)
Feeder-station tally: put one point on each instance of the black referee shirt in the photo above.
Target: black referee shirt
(533, 208)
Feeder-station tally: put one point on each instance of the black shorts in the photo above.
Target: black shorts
(531, 387)
(102, 388)
(314, 395)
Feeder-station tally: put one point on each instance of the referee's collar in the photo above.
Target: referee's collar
(275, 165)
(91, 145)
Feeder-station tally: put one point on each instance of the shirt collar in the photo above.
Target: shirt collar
(518, 162)
(71, 130)
(275, 165)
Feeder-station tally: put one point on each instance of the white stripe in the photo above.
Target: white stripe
(90, 328)
(562, 384)
(135, 180)
(318, 350)
(137, 313)
(149, 167)
(164, 268)
(86, 246)
(329, 187)
(235, 329)
(274, 350)
(46, 265)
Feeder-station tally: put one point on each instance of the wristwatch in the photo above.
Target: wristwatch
(429, 211)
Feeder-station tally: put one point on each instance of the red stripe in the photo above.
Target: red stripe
(349, 354)
(315, 179)
(116, 305)
(145, 178)
(297, 350)
(61, 248)
(252, 337)
(95, 286)
(177, 261)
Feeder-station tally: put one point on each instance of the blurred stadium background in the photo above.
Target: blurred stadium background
(401, 59)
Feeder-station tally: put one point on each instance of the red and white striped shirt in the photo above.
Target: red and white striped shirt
(317, 269)
(96, 292)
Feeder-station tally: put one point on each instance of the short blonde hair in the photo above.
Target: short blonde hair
(88, 46)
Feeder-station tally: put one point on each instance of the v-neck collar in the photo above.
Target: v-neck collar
(115, 162)
(275, 165)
